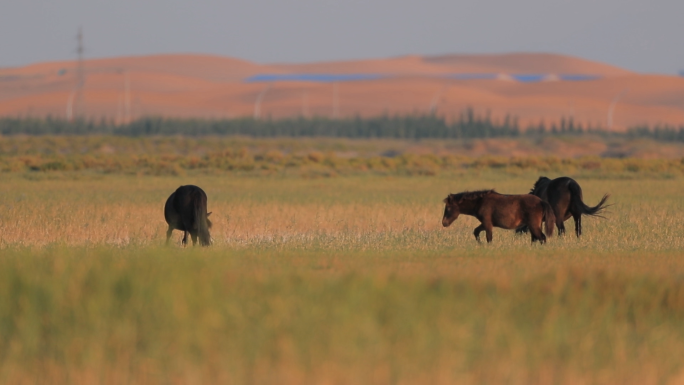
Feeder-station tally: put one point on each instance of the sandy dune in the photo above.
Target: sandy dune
(218, 87)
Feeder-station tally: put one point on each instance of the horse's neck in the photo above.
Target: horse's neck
(470, 207)
(541, 187)
(541, 191)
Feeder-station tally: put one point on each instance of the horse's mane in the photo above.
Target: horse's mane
(471, 194)
(539, 183)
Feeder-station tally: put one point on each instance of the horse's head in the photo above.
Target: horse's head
(208, 221)
(451, 210)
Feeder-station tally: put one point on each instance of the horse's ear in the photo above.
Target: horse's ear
(447, 200)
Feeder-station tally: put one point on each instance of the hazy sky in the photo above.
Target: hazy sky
(640, 35)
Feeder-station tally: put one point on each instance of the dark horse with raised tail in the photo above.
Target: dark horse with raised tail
(186, 210)
(504, 211)
(564, 195)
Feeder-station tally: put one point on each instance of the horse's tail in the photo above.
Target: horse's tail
(549, 218)
(580, 206)
(202, 222)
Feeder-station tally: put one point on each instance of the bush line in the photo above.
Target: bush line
(468, 125)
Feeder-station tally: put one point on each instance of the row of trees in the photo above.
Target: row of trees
(469, 125)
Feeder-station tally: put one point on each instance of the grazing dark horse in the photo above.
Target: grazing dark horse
(186, 210)
(564, 195)
(497, 210)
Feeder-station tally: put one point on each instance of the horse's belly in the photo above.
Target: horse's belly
(507, 223)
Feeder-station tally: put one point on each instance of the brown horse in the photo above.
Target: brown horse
(564, 195)
(186, 210)
(497, 210)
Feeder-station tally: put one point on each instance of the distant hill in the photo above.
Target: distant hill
(526, 63)
(523, 63)
(530, 86)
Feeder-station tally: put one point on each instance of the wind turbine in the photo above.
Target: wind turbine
(259, 99)
(611, 109)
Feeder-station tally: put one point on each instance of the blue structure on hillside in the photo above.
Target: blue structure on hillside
(316, 78)
(332, 78)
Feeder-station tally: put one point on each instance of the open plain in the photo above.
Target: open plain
(331, 278)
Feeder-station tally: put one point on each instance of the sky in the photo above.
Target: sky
(639, 35)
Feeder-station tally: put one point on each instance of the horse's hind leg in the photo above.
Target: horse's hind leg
(541, 239)
(578, 224)
(560, 225)
(537, 235)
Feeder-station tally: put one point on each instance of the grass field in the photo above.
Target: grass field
(346, 280)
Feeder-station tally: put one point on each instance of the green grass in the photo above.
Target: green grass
(155, 315)
(341, 280)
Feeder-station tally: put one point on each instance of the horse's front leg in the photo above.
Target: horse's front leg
(184, 242)
(477, 232)
(168, 234)
(488, 231)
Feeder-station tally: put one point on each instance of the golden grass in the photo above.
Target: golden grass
(354, 212)
(334, 280)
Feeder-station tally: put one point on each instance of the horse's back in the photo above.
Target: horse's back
(171, 215)
(181, 206)
(188, 199)
(511, 211)
(189, 192)
(513, 199)
(562, 182)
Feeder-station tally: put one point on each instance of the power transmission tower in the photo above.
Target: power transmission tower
(75, 105)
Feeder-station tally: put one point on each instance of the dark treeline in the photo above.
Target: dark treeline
(402, 127)
(667, 134)
(469, 125)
